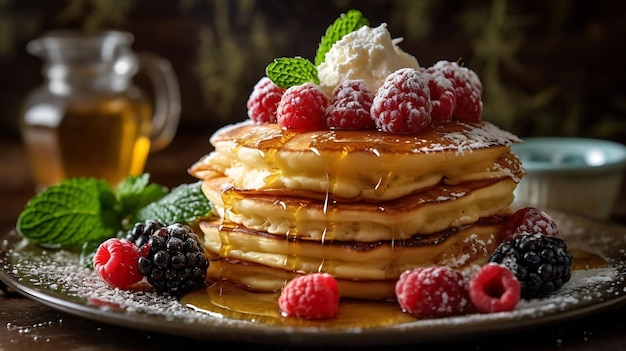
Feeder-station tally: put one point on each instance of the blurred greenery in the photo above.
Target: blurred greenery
(548, 68)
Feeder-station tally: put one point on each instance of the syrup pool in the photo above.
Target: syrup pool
(226, 300)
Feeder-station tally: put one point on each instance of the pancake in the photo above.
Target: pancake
(305, 216)
(361, 205)
(264, 279)
(358, 165)
(264, 262)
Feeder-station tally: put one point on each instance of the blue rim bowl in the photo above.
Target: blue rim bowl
(585, 156)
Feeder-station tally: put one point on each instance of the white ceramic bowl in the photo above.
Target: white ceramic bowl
(576, 175)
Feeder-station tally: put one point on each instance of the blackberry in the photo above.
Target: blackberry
(140, 233)
(175, 260)
(540, 262)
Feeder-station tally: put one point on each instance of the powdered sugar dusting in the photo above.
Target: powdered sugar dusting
(467, 138)
(59, 273)
(509, 167)
(479, 138)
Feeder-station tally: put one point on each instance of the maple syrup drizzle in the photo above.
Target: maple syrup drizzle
(225, 299)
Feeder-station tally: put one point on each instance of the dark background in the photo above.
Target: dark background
(553, 67)
(548, 67)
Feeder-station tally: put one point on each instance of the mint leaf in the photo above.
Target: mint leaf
(184, 204)
(70, 213)
(80, 213)
(290, 71)
(136, 192)
(346, 23)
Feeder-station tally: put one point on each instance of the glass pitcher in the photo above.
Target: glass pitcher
(88, 118)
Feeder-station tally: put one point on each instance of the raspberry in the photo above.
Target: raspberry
(442, 97)
(311, 296)
(402, 104)
(432, 292)
(541, 263)
(531, 221)
(263, 101)
(115, 262)
(175, 260)
(467, 87)
(302, 108)
(350, 106)
(494, 288)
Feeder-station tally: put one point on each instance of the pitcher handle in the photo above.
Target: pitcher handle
(166, 99)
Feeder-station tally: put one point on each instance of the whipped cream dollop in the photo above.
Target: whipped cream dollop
(369, 54)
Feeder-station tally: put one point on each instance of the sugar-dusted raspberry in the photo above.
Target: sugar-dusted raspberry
(442, 97)
(311, 296)
(494, 288)
(302, 108)
(115, 262)
(531, 221)
(350, 106)
(263, 101)
(467, 87)
(402, 104)
(432, 292)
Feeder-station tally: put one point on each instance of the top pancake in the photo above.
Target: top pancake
(358, 165)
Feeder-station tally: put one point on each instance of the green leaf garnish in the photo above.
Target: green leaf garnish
(286, 72)
(80, 213)
(346, 23)
(183, 204)
(70, 213)
(134, 193)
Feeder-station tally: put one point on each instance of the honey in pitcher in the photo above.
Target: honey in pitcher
(106, 139)
(88, 119)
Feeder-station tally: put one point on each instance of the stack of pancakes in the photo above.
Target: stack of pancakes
(361, 205)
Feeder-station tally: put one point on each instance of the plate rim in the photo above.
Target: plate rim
(244, 331)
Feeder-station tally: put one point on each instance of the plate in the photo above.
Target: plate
(56, 278)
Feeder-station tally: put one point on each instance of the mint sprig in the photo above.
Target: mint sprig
(286, 72)
(183, 204)
(70, 213)
(346, 23)
(87, 210)
(136, 192)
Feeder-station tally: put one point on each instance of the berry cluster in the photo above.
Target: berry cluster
(426, 292)
(533, 250)
(171, 258)
(441, 291)
(533, 262)
(541, 263)
(408, 101)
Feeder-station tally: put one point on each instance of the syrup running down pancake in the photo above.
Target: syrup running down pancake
(361, 205)
(358, 165)
(263, 262)
(435, 209)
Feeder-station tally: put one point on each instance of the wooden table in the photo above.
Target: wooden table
(29, 325)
